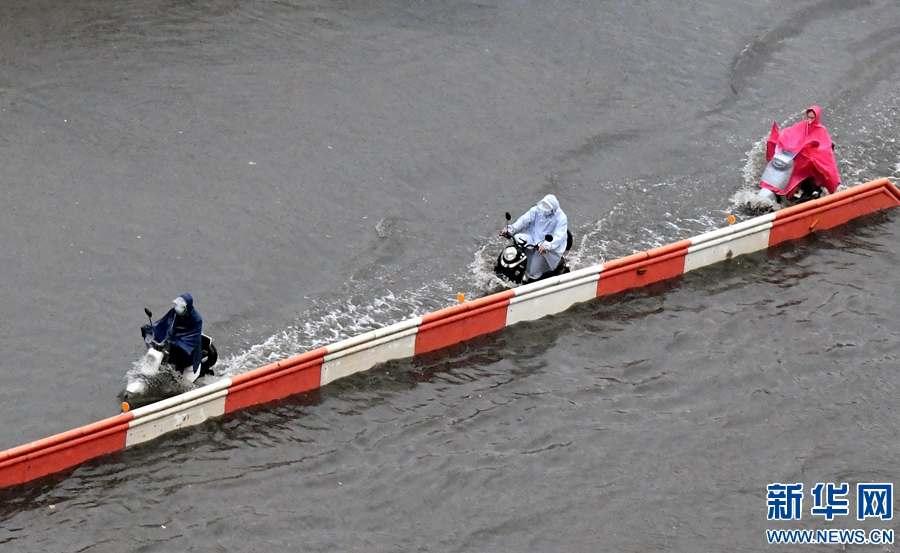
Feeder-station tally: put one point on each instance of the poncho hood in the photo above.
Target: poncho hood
(814, 148)
(537, 224)
(184, 330)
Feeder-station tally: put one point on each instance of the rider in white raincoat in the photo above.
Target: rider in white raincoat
(539, 221)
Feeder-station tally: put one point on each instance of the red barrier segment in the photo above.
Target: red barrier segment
(625, 261)
(275, 385)
(669, 248)
(882, 195)
(98, 426)
(462, 322)
(57, 453)
(882, 183)
(798, 221)
(277, 366)
(465, 306)
(643, 268)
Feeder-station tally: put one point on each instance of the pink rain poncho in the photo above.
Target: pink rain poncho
(815, 153)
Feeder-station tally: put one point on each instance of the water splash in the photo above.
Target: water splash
(157, 381)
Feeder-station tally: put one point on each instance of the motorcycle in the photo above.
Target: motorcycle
(800, 168)
(158, 375)
(512, 259)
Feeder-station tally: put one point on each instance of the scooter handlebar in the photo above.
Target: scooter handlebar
(150, 341)
(527, 246)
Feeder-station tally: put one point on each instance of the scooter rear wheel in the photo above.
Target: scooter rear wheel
(210, 356)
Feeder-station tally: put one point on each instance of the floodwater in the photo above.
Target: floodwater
(312, 170)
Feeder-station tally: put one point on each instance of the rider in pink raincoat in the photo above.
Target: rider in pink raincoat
(815, 153)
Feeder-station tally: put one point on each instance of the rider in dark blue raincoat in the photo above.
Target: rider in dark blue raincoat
(184, 326)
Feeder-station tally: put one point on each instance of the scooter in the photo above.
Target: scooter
(798, 169)
(512, 259)
(156, 373)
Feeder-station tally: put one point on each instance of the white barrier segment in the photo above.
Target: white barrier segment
(363, 357)
(191, 395)
(372, 335)
(178, 416)
(733, 229)
(396, 328)
(553, 281)
(548, 301)
(727, 246)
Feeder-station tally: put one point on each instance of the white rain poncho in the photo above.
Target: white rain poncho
(533, 226)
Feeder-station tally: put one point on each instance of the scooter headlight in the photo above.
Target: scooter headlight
(510, 253)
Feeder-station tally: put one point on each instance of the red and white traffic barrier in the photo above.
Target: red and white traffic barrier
(436, 330)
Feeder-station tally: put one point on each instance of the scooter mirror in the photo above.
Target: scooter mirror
(508, 216)
(147, 311)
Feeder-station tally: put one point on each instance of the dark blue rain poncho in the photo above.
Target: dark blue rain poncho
(184, 330)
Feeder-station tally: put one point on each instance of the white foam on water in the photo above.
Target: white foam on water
(588, 248)
(328, 323)
(147, 365)
(752, 203)
(148, 378)
(162, 384)
(481, 269)
(755, 164)
(136, 388)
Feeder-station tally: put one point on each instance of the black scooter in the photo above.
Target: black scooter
(512, 260)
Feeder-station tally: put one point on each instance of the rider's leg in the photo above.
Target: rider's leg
(179, 358)
(538, 264)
